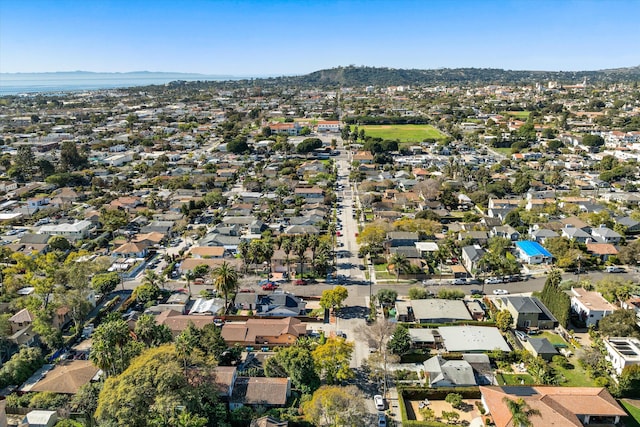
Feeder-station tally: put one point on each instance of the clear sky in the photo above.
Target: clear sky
(278, 37)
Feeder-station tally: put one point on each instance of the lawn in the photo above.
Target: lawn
(505, 151)
(553, 338)
(522, 115)
(514, 379)
(403, 133)
(576, 376)
(634, 414)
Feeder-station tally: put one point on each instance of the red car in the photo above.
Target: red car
(269, 287)
(300, 282)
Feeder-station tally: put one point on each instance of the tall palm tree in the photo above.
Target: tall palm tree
(243, 249)
(312, 242)
(400, 264)
(267, 253)
(225, 280)
(520, 412)
(299, 248)
(190, 276)
(287, 247)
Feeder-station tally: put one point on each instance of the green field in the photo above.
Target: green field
(634, 412)
(522, 115)
(403, 133)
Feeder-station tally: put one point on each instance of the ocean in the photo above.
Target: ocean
(31, 83)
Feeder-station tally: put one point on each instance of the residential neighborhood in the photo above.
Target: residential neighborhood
(272, 255)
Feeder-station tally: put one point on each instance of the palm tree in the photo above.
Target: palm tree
(243, 249)
(267, 253)
(400, 264)
(190, 276)
(150, 277)
(300, 247)
(287, 247)
(225, 280)
(520, 412)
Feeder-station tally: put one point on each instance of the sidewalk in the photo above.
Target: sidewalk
(394, 407)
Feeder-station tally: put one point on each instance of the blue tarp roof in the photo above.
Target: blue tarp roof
(533, 249)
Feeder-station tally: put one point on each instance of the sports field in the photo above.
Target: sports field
(403, 133)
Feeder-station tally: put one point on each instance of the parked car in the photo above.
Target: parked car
(615, 269)
(474, 281)
(521, 336)
(379, 402)
(459, 281)
(492, 280)
(269, 287)
(246, 291)
(500, 292)
(300, 282)
(382, 420)
(477, 292)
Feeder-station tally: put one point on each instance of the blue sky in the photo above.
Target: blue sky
(258, 38)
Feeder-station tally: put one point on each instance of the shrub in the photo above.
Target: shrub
(454, 399)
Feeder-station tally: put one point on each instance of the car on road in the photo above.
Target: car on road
(379, 402)
(477, 292)
(492, 281)
(474, 281)
(500, 292)
(300, 282)
(361, 267)
(269, 287)
(459, 281)
(382, 420)
(246, 291)
(614, 269)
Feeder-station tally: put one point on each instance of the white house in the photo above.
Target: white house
(328, 126)
(590, 306)
(76, 231)
(623, 351)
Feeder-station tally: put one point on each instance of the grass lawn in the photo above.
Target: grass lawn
(522, 115)
(505, 151)
(634, 414)
(553, 338)
(576, 377)
(403, 133)
(514, 379)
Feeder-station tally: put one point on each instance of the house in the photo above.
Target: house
(505, 231)
(268, 421)
(76, 231)
(576, 234)
(291, 129)
(67, 377)
(260, 391)
(471, 255)
(21, 320)
(264, 332)
(528, 312)
(178, 322)
(328, 126)
(225, 378)
(602, 250)
(481, 366)
(533, 253)
(542, 234)
(472, 339)
(207, 252)
(448, 373)
(476, 237)
(401, 238)
(540, 347)
(622, 352)
(432, 311)
(425, 338)
(603, 234)
(309, 194)
(40, 419)
(280, 304)
(131, 250)
(566, 406)
(211, 306)
(631, 225)
(590, 306)
(363, 157)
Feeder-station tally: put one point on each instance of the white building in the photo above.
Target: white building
(590, 306)
(623, 351)
(76, 231)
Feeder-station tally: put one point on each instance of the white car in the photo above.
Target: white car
(492, 281)
(379, 402)
(521, 335)
(500, 292)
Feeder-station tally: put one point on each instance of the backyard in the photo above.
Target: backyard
(468, 411)
(403, 133)
(633, 408)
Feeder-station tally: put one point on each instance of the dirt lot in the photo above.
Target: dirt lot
(468, 412)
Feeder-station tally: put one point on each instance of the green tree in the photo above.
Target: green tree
(149, 332)
(308, 145)
(592, 140)
(400, 264)
(387, 297)
(105, 283)
(112, 347)
(620, 323)
(59, 243)
(555, 299)
(333, 298)
(454, 399)
(418, 293)
(21, 366)
(504, 320)
(520, 412)
(335, 406)
(629, 382)
(146, 292)
(332, 360)
(70, 158)
(450, 294)
(113, 219)
(154, 387)
(211, 341)
(400, 341)
(295, 362)
(225, 280)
